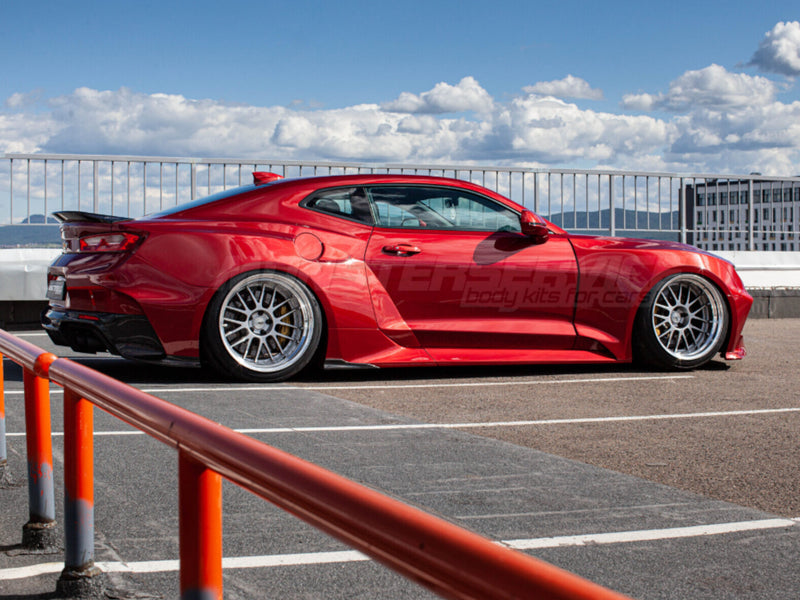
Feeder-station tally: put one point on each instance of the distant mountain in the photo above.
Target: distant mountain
(40, 219)
(30, 236)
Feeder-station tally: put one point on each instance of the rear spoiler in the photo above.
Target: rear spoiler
(76, 216)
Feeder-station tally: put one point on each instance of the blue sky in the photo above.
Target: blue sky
(635, 85)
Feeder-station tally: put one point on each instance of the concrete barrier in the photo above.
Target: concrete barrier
(23, 285)
(23, 272)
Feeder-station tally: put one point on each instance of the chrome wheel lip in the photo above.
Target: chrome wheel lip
(687, 317)
(266, 323)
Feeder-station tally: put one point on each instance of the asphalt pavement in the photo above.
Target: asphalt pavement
(657, 485)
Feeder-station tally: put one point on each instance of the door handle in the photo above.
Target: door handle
(401, 250)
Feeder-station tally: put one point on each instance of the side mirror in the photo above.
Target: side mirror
(531, 226)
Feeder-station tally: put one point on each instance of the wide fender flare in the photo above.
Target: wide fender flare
(706, 273)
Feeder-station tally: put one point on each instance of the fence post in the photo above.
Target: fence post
(80, 577)
(193, 181)
(39, 531)
(200, 524)
(751, 229)
(96, 186)
(611, 210)
(682, 204)
(11, 190)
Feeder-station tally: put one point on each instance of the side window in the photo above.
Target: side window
(350, 203)
(440, 208)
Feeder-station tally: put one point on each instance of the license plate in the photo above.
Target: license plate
(57, 288)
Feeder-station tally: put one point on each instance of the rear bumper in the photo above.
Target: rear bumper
(130, 336)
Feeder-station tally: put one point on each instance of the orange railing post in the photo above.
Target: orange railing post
(200, 525)
(39, 531)
(3, 450)
(80, 575)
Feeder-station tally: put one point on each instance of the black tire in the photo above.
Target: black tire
(262, 326)
(682, 323)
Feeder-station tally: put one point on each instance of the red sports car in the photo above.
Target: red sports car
(267, 279)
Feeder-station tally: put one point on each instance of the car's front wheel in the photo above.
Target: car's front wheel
(263, 326)
(682, 322)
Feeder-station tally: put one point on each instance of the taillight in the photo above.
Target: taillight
(109, 242)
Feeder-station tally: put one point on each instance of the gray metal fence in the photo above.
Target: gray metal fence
(714, 212)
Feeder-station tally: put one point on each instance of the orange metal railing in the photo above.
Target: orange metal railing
(451, 561)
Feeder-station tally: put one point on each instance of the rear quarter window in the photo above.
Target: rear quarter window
(348, 203)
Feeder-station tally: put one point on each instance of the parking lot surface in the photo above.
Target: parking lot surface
(729, 431)
(656, 484)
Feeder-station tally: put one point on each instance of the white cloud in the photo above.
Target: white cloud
(640, 102)
(710, 121)
(569, 87)
(127, 122)
(726, 122)
(295, 131)
(468, 95)
(779, 51)
(25, 132)
(711, 88)
(21, 101)
(419, 124)
(554, 131)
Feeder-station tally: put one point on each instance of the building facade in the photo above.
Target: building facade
(746, 214)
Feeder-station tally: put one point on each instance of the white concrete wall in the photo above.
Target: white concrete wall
(766, 269)
(23, 270)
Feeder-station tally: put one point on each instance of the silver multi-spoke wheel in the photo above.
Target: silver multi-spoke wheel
(268, 323)
(688, 317)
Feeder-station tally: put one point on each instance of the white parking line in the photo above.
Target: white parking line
(402, 386)
(650, 535)
(29, 334)
(346, 556)
(399, 386)
(488, 424)
(396, 426)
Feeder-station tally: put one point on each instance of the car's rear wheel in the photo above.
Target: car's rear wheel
(263, 326)
(682, 322)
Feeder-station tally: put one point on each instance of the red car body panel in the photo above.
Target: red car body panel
(390, 297)
(616, 273)
(485, 292)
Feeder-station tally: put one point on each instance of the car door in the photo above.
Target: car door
(453, 267)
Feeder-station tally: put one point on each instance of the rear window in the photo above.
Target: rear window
(202, 201)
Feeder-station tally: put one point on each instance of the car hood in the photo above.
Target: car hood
(623, 243)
